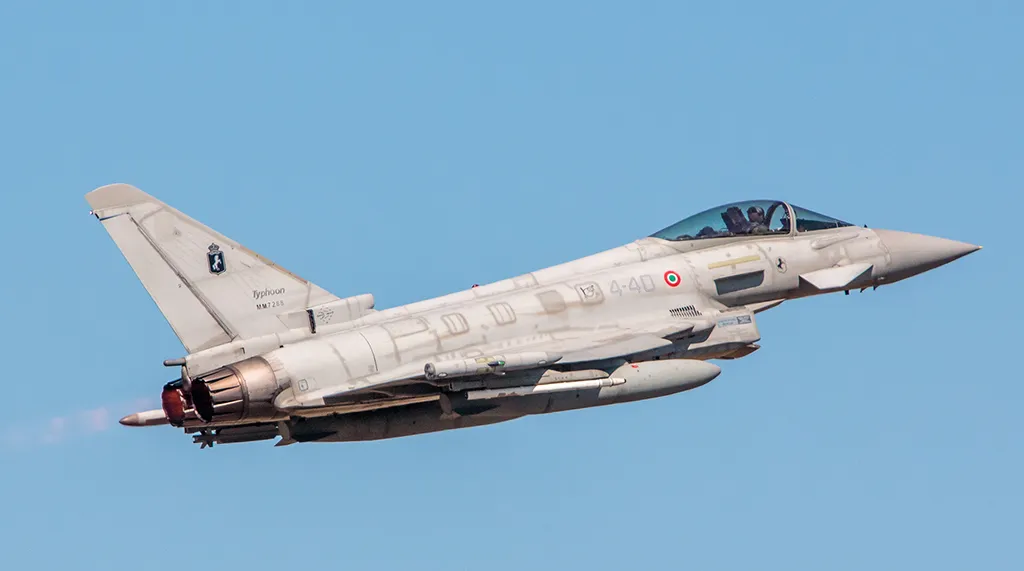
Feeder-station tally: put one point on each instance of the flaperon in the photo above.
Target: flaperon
(635, 322)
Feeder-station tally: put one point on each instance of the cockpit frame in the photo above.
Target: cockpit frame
(760, 222)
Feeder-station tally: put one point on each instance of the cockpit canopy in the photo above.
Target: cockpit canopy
(750, 218)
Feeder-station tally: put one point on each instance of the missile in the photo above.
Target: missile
(632, 381)
(495, 364)
(145, 418)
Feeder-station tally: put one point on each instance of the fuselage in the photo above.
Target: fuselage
(638, 321)
(625, 288)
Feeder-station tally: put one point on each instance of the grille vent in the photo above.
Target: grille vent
(685, 311)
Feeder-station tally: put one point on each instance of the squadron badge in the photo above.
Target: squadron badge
(780, 264)
(215, 259)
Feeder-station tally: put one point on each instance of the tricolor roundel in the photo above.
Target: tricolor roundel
(672, 278)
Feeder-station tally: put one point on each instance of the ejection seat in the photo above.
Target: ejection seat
(735, 221)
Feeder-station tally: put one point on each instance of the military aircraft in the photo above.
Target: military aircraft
(271, 355)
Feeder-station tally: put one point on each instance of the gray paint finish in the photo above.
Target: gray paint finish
(638, 321)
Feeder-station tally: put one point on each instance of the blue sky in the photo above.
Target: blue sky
(412, 149)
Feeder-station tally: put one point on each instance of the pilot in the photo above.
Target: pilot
(757, 223)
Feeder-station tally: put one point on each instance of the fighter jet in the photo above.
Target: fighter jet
(269, 355)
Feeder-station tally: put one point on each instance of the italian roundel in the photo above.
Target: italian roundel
(672, 278)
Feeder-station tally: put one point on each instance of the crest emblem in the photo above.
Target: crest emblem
(780, 264)
(215, 259)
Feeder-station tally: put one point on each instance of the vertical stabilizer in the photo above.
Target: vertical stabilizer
(211, 289)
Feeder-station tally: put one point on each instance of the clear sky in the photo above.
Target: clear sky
(412, 149)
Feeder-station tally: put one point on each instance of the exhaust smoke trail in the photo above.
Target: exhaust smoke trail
(72, 426)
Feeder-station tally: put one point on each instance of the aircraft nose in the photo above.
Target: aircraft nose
(913, 254)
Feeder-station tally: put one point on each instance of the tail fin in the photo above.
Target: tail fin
(211, 289)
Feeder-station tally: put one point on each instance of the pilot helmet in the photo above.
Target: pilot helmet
(755, 209)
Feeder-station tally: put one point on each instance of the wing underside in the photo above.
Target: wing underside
(572, 350)
(575, 360)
